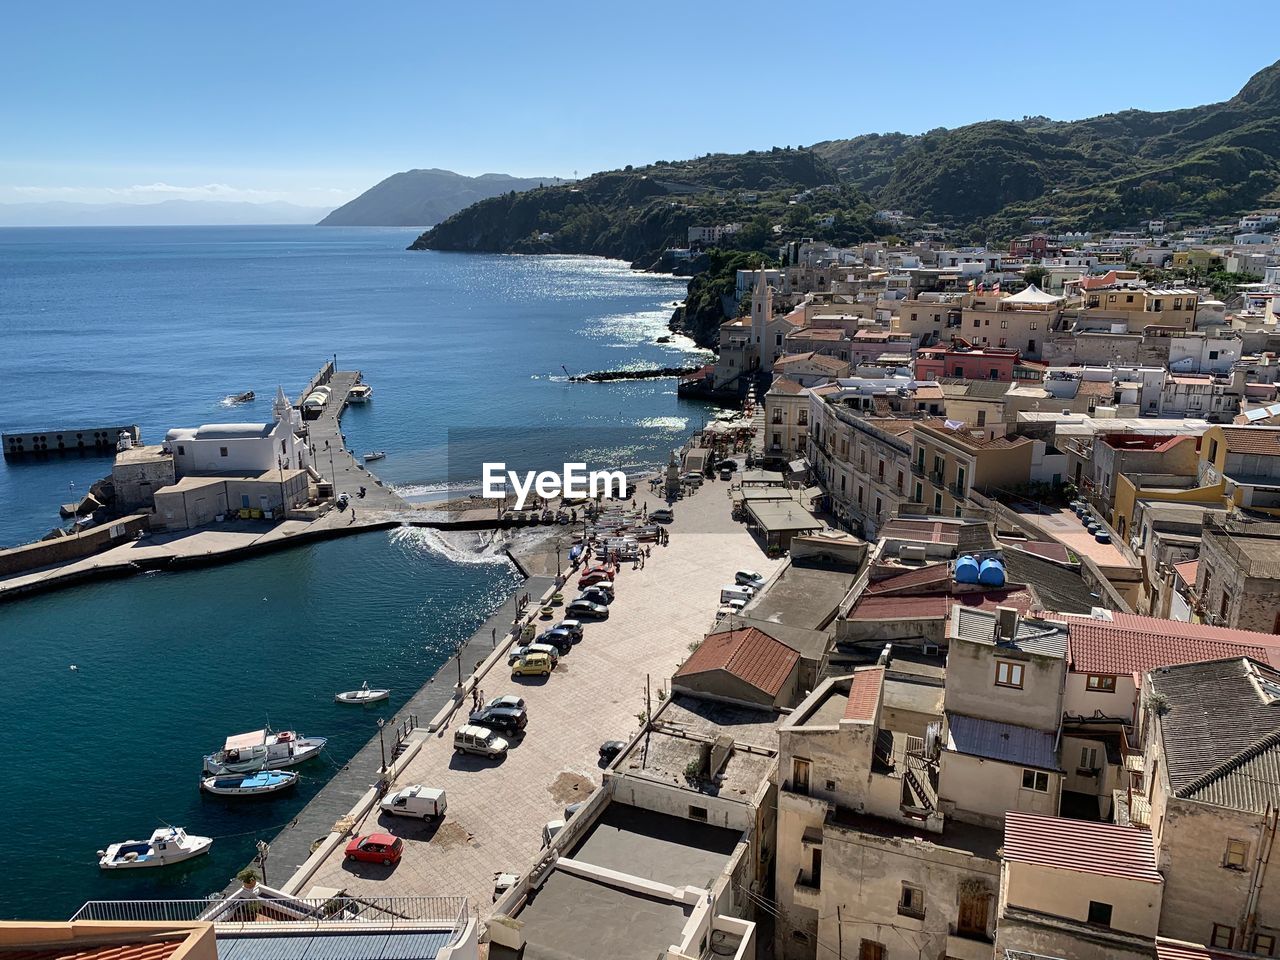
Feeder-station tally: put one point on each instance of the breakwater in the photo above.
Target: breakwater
(652, 373)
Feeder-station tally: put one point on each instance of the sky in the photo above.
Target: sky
(313, 103)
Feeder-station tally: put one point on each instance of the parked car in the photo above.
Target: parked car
(500, 718)
(510, 701)
(596, 595)
(736, 592)
(532, 665)
(726, 473)
(481, 741)
(549, 831)
(560, 639)
(729, 609)
(749, 578)
(662, 515)
(573, 808)
(595, 575)
(727, 464)
(520, 652)
(380, 848)
(586, 610)
(502, 882)
(574, 627)
(611, 748)
(416, 801)
(693, 479)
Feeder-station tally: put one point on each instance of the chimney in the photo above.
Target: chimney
(721, 751)
(1006, 624)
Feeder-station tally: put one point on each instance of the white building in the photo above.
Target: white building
(244, 448)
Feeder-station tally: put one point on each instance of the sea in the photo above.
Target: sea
(113, 691)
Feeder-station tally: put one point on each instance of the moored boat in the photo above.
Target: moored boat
(363, 695)
(374, 455)
(249, 784)
(245, 397)
(167, 845)
(262, 750)
(359, 393)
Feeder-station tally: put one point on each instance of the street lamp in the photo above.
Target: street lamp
(382, 747)
(75, 514)
(333, 479)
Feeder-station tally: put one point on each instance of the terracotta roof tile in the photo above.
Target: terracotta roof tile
(1129, 644)
(1261, 440)
(141, 950)
(751, 655)
(1182, 950)
(864, 695)
(1187, 571)
(1079, 845)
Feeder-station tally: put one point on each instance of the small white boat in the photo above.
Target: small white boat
(363, 695)
(167, 845)
(249, 784)
(374, 455)
(359, 393)
(262, 750)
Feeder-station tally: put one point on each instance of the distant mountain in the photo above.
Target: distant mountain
(423, 198)
(165, 213)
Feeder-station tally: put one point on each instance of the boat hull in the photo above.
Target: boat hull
(248, 786)
(360, 697)
(304, 749)
(116, 856)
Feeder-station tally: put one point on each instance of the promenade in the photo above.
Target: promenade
(497, 808)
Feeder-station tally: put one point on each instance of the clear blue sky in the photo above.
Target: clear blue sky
(314, 102)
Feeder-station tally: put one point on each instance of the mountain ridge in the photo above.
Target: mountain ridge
(424, 196)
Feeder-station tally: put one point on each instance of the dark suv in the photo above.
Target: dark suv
(506, 719)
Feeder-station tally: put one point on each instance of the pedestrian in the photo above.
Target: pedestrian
(353, 515)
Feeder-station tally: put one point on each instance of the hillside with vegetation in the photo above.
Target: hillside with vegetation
(986, 179)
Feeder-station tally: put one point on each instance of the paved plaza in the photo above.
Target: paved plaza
(497, 809)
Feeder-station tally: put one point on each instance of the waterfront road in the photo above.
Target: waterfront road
(497, 809)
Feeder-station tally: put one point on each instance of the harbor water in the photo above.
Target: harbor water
(156, 326)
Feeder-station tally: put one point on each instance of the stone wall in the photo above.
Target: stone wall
(47, 553)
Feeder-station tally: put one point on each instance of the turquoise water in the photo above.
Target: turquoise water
(156, 326)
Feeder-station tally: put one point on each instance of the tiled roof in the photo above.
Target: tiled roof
(1103, 848)
(937, 606)
(1221, 732)
(1006, 742)
(1253, 439)
(751, 655)
(1187, 571)
(1128, 643)
(912, 578)
(141, 950)
(783, 384)
(864, 694)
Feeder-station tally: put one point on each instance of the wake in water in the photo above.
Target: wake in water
(458, 546)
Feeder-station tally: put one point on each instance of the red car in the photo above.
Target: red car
(380, 848)
(596, 575)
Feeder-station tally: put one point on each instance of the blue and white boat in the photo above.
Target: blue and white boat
(262, 750)
(249, 784)
(167, 845)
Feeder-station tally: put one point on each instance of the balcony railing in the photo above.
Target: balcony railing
(266, 906)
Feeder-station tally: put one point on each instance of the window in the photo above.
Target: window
(222, 451)
(870, 950)
(1036, 780)
(879, 507)
(1135, 781)
(937, 503)
(1035, 324)
(1129, 298)
(1008, 674)
(1177, 303)
(1100, 913)
(1222, 935)
(913, 318)
(800, 775)
(698, 813)
(777, 416)
(1089, 758)
(1099, 683)
(1225, 605)
(1264, 945)
(1237, 855)
(831, 786)
(777, 340)
(918, 496)
(911, 903)
(803, 419)
(1004, 324)
(815, 869)
(777, 439)
(982, 418)
(182, 451)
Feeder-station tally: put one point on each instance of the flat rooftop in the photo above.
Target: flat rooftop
(573, 918)
(830, 711)
(712, 718)
(657, 846)
(965, 837)
(802, 597)
(664, 757)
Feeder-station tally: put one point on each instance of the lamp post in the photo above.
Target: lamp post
(333, 479)
(75, 514)
(280, 463)
(382, 747)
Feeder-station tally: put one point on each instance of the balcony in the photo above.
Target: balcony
(936, 477)
(965, 946)
(806, 892)
(957, 490)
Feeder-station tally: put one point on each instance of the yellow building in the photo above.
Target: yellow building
(1198, 259)
(946, 465)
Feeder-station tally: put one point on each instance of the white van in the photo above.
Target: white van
(479, 740)
(417, 801)
(733, 591)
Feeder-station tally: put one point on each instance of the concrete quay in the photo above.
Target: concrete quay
(291, 848)
(497, 808)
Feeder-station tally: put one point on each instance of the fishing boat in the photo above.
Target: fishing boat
(245, 397)
(262, 750)
(363, 695)
(167, 845)
(374, 455)
(249, 784)
(359, 393)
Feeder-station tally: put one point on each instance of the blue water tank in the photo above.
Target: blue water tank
(991, 573)
(966, 570)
